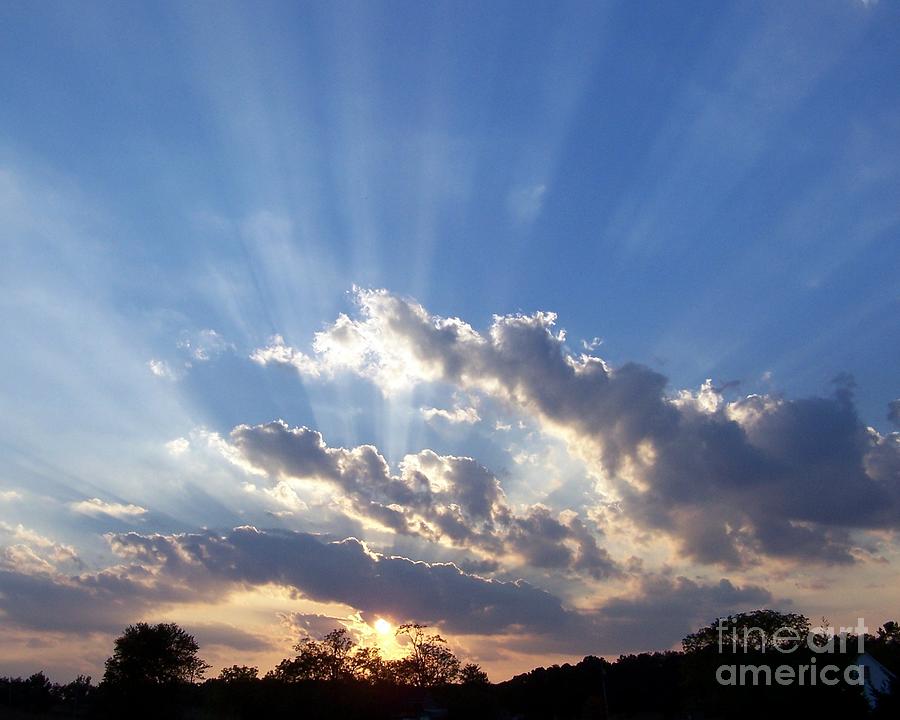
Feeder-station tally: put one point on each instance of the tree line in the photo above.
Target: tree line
(157, 671)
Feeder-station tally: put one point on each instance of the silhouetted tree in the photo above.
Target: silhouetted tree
(889, 633)
(38, 692)
(332, 654)
(368, 665)
(332, 658)
(77, 693)
(151, 671)
(472, 674)
(239, 673)
(885, 647)
(325, 659)
(154, 654)
(752, 631)
(759, 642)
(430, 662)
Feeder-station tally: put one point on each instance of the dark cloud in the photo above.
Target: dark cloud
(660, 611)
(200, 567)
(665, 610)
(657, 614)
(467, 495)
(478, 567)
(346, 571)
(433, 497)
(312, 625)
(546, 541)
(99, 602)
(762, 475)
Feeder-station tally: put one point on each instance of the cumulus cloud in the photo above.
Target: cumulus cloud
(178, 446)
(279, 354)
(159, 571)
(31, 549)
(346, 571)
(467, 415)
(120, 511)
(283, 494)
(45, 587)
(662, 610)
(440, 498)
(442, 594)
(10, 495)
(44, 598)
(731, 481)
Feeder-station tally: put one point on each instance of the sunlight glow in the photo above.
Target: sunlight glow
(383, 627)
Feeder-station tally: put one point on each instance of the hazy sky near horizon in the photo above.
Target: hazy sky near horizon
(563, 327)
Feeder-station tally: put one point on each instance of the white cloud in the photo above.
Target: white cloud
(287, 497)
(372, 347)
(178, 446)
(10, 495)
(96, 506)
(446, 499)
(27, 535)
(24, 559)
(728, 480)
(467, 415)
(277, 353)
(35, 551)
(161, 369)
(523, 458)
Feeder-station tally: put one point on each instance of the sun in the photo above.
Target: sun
(382, 627)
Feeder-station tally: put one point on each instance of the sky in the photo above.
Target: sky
(561, 327)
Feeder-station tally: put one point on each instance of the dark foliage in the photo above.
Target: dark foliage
(155, 672)
(161, 654)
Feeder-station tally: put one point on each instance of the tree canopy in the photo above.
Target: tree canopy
(154, 668)
(430, 662)
(155, 654)
(756, 630)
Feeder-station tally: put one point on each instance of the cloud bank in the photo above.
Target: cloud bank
(162, 569)
(439, 498)
(761, 476)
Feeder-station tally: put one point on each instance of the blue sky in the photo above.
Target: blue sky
(710, 189)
